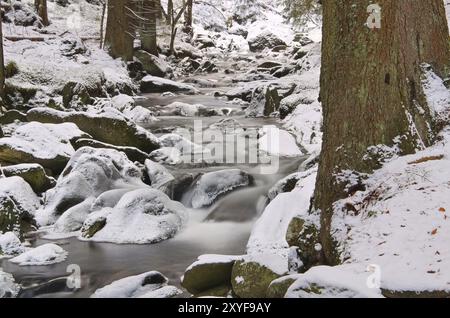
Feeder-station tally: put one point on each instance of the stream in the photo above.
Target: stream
(223, 228)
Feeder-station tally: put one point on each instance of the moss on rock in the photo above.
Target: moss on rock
(279, 287)
(33, 174)
(251, 280)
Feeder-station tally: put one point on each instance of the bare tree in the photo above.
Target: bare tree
(2, 66)
(148, 11)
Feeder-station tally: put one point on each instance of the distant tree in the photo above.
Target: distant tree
(188, 16)
(147, 27)
(41, 9)
(120, 28)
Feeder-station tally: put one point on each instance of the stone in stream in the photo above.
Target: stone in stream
(107, 125)
(153, 84)
(46, 144)
(89, 173)
(147, 285)
(142, 216)
(8, 287)
(209, 274)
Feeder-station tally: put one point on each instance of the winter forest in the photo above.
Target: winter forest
(224, 148)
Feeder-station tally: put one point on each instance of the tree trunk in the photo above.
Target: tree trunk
(159, 13)
(41, 9)
(371, 90)
(102, 23)
(169, 16)
(148, 29)
(2, 67)
(119, 35)
(188, 15)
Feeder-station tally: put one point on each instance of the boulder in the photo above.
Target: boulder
(89, 173)
(34, 174)
(302, 39)
(290, 103)
(132, 153)
(187, 110)
(279, 287)
(153, 84)
(265, 101)
(77, 93)
(141, 216)
(152, 64)
(203, 41)
(209, 272)
(11, 116)
(46, 144)
(305, 236)
(251, 279)
(265, 39)
(107, 126)
(211, 185)
(18, 204)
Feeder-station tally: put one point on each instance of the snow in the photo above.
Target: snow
(214, 259)
(139, 286)
(334, 282)
(159, 176)
(8, 287)
(140, 217)
(268, 235)
(404, 228)
(213, 184)
(278, 142)
(10, 244)
(438, 96)
(46, 254)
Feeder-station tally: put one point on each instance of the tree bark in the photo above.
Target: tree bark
(188, 15)
(120, 29)
(371, 90)
(2, 67)
(148, 30)
(41, 9)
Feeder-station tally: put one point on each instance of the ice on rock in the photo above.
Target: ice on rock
(147, 285)
(160, 178)
(141, 216)
(213, 184)
(46, 254)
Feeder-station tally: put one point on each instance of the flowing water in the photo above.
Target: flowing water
(223, 228)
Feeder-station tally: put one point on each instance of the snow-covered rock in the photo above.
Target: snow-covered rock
(153, 65)
(10, 244)
(153, 84)
(167, 155)
(8, 286)
(106, 125)
(185, 147)
(213, 184)
(188, 110)
(46, 254)
(18, 204)
(45, 144)
(147, 285)
(32, 173)
(265, 39)
(141, 216)
(334, 282)
(72, 220)
(89, 173)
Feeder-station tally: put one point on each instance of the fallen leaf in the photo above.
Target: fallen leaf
(434, 232)
(442, 210)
